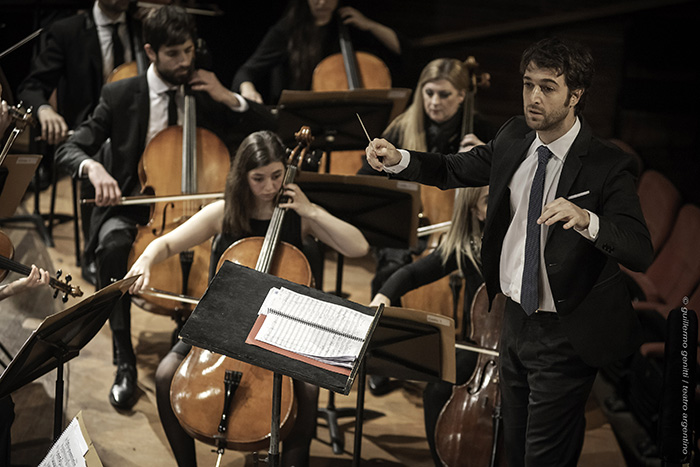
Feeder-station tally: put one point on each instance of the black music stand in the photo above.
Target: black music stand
(385, 211)
(57, 340)
(331, 115)
(408, 345)
(228, 311)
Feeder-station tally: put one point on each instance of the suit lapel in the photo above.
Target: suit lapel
(508, 165)
(572, 165)
(143, 110)
(93, 50)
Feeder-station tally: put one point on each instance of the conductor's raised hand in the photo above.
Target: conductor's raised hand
(381, 153)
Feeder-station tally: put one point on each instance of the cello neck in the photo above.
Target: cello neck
(189, 146)
(349, 59)
(468, 113)
(267, 252)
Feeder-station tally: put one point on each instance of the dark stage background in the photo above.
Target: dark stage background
(646, 88)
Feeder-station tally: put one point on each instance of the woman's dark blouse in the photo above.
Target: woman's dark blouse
(268, 67)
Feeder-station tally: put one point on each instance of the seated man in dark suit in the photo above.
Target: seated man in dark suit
(77, 56)
(130, 113)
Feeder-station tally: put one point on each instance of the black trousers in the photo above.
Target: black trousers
(115, 238)
(544, 389)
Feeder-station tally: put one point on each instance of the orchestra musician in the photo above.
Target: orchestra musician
(460, 250)
(252, 186)
(76, 60)
(130, 113)
(36, 278)
(567, 311)
(433, 123)
(306, 34)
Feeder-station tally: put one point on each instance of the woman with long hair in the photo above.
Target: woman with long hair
(460, 249)
(252, 189)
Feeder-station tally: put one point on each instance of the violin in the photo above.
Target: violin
(7, 252)
(468, 431)
(349, 70)
(205, 381)
(179, 160)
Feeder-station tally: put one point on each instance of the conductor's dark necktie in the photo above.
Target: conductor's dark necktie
(117, 46)
(529, 295)
(172, 107)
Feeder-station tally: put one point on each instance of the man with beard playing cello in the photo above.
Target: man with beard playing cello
(130, 113)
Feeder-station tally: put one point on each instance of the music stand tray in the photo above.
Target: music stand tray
(58, 339)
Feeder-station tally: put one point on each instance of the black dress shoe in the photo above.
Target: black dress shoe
(380, 385)
(123, 392)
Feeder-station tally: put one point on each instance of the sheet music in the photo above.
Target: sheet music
(324, 331)
(69, 450)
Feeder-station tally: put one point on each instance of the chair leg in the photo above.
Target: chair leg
(76, 221)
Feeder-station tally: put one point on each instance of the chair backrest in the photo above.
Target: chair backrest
(660, 201)
(676, 269)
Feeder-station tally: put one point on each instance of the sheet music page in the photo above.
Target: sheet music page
(314, 328)
(69, 450)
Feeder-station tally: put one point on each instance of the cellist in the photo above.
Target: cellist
(130, 113)
(252, 186)
(306, 34)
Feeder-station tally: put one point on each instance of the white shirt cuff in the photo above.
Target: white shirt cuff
(403, 163)
(80, 169)
(242, 103)
(591, 232)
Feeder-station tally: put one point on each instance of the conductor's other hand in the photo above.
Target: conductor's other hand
(381, 153)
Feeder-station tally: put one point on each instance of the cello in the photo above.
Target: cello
(467, 433)
(179, 160)
(349, 70)
(206, 382)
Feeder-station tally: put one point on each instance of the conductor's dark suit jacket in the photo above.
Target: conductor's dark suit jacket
(71, 62)
(122, 116)
(587, 285)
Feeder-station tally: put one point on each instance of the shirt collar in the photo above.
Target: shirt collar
(103, 20)
(560, 147)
